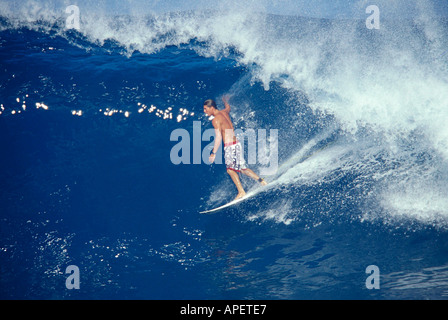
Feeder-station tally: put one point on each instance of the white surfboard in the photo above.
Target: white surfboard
(231, 203)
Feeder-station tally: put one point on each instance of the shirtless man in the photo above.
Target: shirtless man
(233, 153)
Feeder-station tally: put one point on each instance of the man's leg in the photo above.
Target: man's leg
(236, 180)
(253, 175)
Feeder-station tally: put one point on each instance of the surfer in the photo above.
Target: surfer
(233, 153)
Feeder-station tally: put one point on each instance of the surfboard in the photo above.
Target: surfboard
(233, 202)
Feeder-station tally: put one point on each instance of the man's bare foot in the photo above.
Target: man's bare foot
(240, 195)
(263, 182)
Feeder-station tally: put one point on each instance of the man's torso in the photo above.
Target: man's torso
(228, 135)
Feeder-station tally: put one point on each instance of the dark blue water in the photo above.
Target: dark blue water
(87, 179)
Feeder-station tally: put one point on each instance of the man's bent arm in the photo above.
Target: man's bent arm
(226, 104)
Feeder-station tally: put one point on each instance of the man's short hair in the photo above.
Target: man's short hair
(210, 103)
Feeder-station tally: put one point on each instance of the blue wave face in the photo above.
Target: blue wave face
(86, 117)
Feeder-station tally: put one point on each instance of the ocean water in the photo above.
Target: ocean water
(87, 178)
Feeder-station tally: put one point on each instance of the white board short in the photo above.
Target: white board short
(234, 156)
